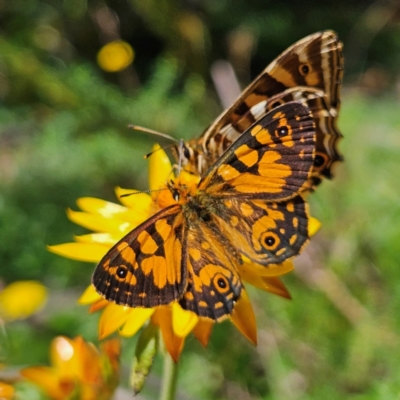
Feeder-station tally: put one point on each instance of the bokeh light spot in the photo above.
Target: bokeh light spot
(115, 56)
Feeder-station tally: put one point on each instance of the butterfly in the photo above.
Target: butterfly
(246, 203)
(310, 71)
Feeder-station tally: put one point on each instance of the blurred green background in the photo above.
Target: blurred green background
(64, 135)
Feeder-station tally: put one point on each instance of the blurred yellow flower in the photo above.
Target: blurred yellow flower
(20, 299)
(112, 221)
(115, 56)
(6, 391)
(79, 371)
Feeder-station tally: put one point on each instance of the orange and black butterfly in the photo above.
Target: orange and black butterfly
(310, 71)
(247, 202)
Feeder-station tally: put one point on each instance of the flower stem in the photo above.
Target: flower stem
(170, 377)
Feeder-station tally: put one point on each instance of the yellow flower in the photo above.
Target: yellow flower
(111, 222)
(79, 370)
(21, 299)
(115, 56)
(6, 391)
(174, 322)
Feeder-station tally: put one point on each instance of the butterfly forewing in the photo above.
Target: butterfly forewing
(147, 267)
(271, 160)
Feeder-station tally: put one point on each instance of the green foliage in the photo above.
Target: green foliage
(146, 349)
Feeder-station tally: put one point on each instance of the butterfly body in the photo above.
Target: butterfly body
(246, 203)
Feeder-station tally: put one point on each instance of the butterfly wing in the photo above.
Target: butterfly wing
(267, 233)
(327, 134)
(315, 63)
(272, 160)
(147, 267)
(214, 284)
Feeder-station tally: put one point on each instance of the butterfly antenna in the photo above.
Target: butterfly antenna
(153, 132)
(180, 158)
(163, 135)
(143, 191)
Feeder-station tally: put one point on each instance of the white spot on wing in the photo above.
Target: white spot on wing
(259, 109)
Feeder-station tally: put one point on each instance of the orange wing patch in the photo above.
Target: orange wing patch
(145, 268)
(265, 161)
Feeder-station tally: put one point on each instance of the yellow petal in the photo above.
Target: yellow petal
(65, 358)
(98, 223)
(21, 299)
(141, 202)
(274, 285)
(313, 226)
(183, 321)
(112, 318)
(162, 317)
(6, 391)
(244, 319)
(89, 392)
(189, 179)
(89, 361)
(174, 345)
(202, 330)
(49, 380)
(160, 168)
(267, 283)
(98, 305)
(102, 207)
(89, 296)
(106, 239)
(107, 209)
(88, 252)
(135, 321)
(251, 268)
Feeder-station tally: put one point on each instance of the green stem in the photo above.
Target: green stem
(170, 377)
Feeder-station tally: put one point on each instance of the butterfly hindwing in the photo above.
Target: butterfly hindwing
(147, 267)
(272, 160)
(315, 61)
(214, 284)
(265, 232)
